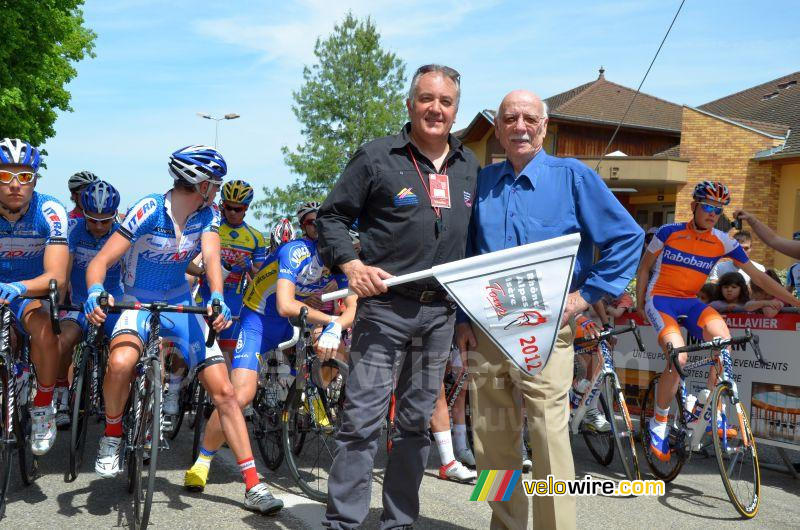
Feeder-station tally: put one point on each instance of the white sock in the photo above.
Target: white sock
(445, 444)
(460, 437)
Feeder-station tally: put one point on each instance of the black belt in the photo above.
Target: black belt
(423, 297)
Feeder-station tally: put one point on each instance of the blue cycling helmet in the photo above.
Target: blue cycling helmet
(197, 163)
(712, 191)
(100, 197)
(19, 152)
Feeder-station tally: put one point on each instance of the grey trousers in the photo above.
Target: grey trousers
(387, 329)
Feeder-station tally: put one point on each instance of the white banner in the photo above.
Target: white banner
(771, 393)
(516, 295)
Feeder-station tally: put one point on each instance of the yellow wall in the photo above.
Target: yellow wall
(788, 207)
(479, 147)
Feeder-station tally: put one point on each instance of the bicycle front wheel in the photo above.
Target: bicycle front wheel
(28, 463)
(148, 435)
(679, 452)
(199, 422)
(267, 429)
(80, 415)
(6, 447)
(736, 453)
(310, 468)
(599, 443)
(622, 427)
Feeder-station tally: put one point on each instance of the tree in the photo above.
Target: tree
(352, 95)
(41, 41)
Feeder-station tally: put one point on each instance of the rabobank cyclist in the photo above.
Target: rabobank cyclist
(33, 250)
(87, 235)
(159, 236)
(294, 272)
(681, 256)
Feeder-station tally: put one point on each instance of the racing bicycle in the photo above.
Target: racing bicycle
(724, 420)
(605, 386)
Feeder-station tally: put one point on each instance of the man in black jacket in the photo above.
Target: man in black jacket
(411, 194)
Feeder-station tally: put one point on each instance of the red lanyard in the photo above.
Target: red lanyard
(436, 209)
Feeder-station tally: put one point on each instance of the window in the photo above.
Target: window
(770, 95)
(787, 84)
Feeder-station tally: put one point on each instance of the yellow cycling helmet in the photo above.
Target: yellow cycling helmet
(237, 191)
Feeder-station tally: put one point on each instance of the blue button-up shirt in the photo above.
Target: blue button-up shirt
(553, 197)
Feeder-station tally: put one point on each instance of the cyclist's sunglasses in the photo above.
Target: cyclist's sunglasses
(710, 208)
(98, 220)
(234, 209)
(23, 177)
(309, 222)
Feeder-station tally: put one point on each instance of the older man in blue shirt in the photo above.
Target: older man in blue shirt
(531, 197)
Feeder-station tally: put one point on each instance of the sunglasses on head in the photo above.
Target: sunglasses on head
(23, 177)
(235, 209)
(710, 208)
(98, 220)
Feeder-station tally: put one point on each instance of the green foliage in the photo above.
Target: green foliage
(40, 40)
(353, 94)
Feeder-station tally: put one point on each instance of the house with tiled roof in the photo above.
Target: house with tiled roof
(749, 139)
(645, 169)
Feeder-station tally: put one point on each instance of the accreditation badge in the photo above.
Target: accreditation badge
(439, 186)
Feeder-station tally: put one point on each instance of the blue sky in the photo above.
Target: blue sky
(158, 63)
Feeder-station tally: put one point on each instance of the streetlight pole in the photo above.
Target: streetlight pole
(207, 116)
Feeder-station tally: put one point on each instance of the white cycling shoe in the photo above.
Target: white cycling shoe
(170, 405)
(259, 499)
(466, 457)
(596, 421)
(43, 429)
(107, 463)
(457, 472)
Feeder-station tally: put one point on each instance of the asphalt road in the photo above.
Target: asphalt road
(696, 498)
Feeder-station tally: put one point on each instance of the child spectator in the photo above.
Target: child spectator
(732, 293)
(707, 293)
(760, 300)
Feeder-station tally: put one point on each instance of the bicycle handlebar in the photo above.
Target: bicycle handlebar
(163, 307)
(714, 344)
(606, 333)
(298, 323)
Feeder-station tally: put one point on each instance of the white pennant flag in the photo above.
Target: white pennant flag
(516, 295)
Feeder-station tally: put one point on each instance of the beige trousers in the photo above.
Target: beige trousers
(497, 426)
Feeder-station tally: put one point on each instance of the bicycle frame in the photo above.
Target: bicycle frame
(605, 355)
(721, 358)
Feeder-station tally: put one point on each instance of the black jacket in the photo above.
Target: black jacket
(381, 189)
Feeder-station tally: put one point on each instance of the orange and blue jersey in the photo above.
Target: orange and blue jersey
(685, 259)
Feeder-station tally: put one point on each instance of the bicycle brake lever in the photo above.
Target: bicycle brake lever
(216, 309)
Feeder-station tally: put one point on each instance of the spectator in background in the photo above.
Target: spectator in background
(793, 274)
(761, 301)
(707, 293)
(789, 247)
(725, 266)
(610, 309)
(732, 293)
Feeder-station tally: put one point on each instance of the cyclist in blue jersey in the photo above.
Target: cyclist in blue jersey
(87, 235)
(160, 235)
(291, 275)
(33, 250)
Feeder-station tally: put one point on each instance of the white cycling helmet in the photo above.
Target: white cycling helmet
(307, 208)
(197, 163)
(80, 180)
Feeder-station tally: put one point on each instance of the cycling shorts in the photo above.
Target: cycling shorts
(186, 332)
(79, 317)
(663, 313)
(18, 306)
(259, 334)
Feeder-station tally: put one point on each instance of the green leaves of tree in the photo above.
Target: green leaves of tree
(40, 40)
(352, 95)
